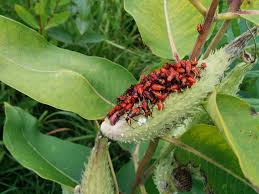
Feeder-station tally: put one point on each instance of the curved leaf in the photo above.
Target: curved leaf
(208, 150)
(240, 123)
(58, 77)
(250, 5)
(57, 19)
(150, 18)
(51, 158)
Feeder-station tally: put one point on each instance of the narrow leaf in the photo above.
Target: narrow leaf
(57, 19)
(26, 16)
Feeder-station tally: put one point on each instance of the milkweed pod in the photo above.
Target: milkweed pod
(97, 176)
(179, 106)
(162, 176)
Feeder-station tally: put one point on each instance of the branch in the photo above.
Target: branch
(235, 4)
(169, 33)
(199, 6)
(233, 15)
(204, 33)
(145, 161)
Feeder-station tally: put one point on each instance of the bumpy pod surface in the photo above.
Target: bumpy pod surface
(178, 106)
(163, 176)
(97, 176)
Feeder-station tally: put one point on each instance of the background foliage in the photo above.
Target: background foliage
(94, 28)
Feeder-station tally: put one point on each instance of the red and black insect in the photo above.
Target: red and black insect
(153, 89)
(199, 28)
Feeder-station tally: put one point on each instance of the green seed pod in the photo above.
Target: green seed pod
(97, 176)
(229, 85)
(178, 107)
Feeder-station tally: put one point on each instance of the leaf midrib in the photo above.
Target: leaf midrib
(60, 71)
(194, 151)
(43, 158)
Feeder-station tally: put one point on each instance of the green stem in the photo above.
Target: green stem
(199, 6)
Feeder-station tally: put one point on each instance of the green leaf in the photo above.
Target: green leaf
(57, 19)
(67, 190)
(240, 124)
(250, 85)
(26, 16)
(49, 157)
(61, 78)
(251, 5)
(126, 177)
(254, 102)
(2, 153)
(251, 17)
(150, 18)
(207, 148)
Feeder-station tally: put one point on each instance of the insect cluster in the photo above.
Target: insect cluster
(153, 89)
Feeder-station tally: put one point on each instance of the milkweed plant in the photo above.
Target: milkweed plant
(187, 122)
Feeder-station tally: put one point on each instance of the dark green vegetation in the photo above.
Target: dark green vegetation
(94, 28)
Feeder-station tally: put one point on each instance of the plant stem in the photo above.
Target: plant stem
(144, 162)
(54, 131)
(169, 33)
(117, 190)
(206, 27)
(235, 14)
(235, 4)
(199, 6)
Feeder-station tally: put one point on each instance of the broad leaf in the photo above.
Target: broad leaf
(49, 157)
(207, 149)
(26, 16)
(61, 78)
(239, 122)
(150, 18)
(126, 177)
(251, 5)
(251, 17)
(254, 102)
